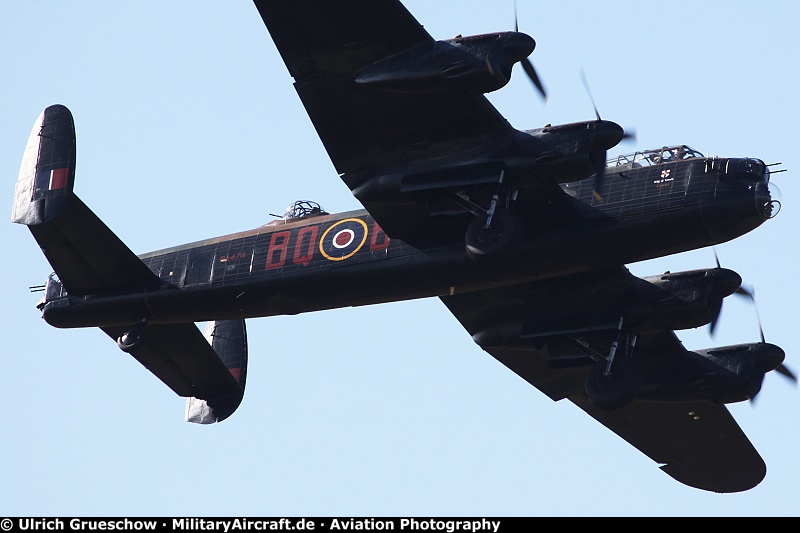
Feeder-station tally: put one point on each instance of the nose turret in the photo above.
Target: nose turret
(755, 175)
(768, 199)
(746, 169)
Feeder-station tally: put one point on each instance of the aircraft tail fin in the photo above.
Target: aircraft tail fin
(89, 259)
(47, 173)
(228, 338)
(85, 254)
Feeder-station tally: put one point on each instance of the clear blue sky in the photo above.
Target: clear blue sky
(188, 127)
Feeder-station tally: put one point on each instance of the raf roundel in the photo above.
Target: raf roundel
(344, 239)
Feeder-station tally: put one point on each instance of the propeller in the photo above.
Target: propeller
(716, 309)
(715, 306)
(750, 293)
(527, 66)
(598, 151)
(769, 352)
(767, 357)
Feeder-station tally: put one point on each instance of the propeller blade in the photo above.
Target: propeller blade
(527, 66)
(755, 388)
(716, 310)
(752, 294)
(626, 135)
(589, 92)
(741, 291)
(784, 371)
(598, 159)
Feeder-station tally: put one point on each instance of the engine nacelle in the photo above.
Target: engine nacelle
(690, 299)
(569, 153)
(727, 374)
(477, 65)
(696, 297)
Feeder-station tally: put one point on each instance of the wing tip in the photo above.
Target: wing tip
(723, 478)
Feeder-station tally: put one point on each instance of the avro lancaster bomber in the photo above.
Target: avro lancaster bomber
(523, 235)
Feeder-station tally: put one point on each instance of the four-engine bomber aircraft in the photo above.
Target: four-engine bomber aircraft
(522, 234)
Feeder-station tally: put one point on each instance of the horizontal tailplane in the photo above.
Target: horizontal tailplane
(89, 260)
(209, 370)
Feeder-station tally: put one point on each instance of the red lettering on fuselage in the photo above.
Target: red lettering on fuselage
(276, 256)
(304, 251)
(379, 240)
(298, 247)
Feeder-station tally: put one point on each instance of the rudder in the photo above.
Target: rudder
(228, 338)
(47, 173)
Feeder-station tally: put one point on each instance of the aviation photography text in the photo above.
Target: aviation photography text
(227, 525)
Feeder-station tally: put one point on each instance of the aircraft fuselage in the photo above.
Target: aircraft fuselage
(331, 261)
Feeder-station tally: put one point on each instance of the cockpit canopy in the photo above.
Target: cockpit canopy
(646, 158)
(303, 209)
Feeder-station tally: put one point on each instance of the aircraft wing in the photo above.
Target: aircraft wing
(696, 442)
(324, 44)
(385, 144)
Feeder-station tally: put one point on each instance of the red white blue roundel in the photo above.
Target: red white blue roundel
(343, 239)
